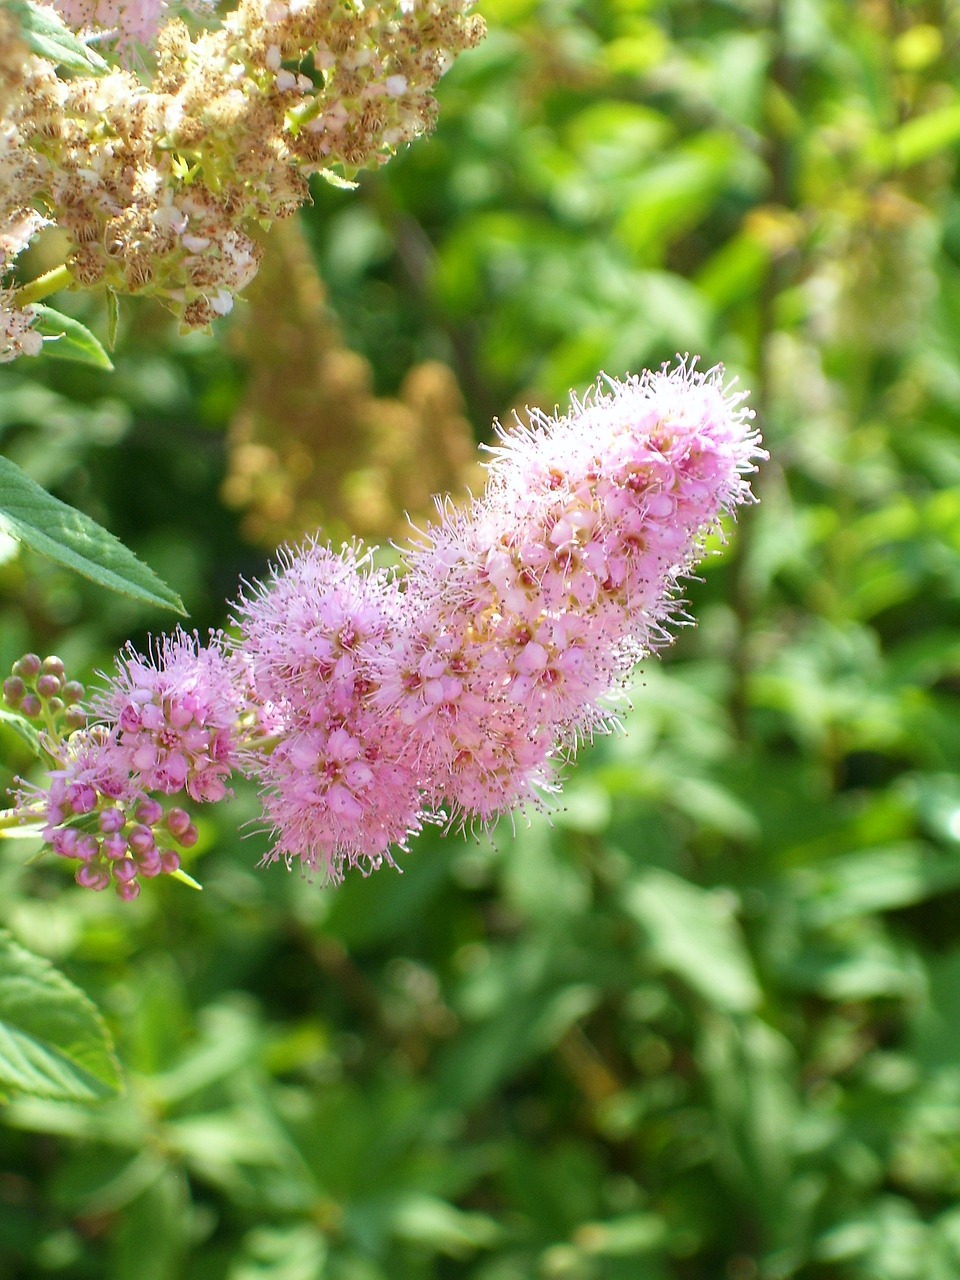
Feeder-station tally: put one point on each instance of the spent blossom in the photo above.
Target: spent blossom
(164, 187)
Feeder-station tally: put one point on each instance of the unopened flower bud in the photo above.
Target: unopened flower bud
(169, 862)
(178, 821)
(49, 685)
(13, 691)
(128, 890)
(74, 717)
(141, 839)
(73, 690)
(88, 877)
(125, 870)
(149, 863)
(112, 820)
(52, 666)
(114, 846)
(31, 705)
(87, 847)
(188, 838)
(55, 706)
(149, 812)
(28, 666)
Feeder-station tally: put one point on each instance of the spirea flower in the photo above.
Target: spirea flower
(365, 702)
(175, 714)
(338, 784)
(531, 606)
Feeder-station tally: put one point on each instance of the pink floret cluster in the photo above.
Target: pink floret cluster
(367, 702)
(167, 724)
(338, 783)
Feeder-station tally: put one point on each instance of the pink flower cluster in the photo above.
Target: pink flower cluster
(338, 781)
(167, 725)
(367, 703)
(453, 689)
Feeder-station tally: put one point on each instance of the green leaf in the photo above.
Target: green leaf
(53, 1041)
(693, 934)
(52, 529)
(185, 878)
(925, 136)
(872, 880)
(70, 340)
(24, 731)
(151, 1237)
(47, 36)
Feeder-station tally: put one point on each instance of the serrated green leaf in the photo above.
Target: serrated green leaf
(48, 37)
(53, 1041)
(24, 731)
(52, 529)
(70, 340)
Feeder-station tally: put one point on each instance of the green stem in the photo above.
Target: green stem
(50, 282)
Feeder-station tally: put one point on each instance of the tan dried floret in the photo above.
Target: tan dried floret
(158, 186)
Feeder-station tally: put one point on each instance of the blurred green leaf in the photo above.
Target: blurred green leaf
(872, 880)
(24, 730)
(53, 1041)
(692, 933)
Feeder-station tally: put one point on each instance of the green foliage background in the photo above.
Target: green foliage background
(703, 1023)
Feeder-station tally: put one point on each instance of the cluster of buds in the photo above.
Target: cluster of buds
(163, 188)
(162, 728)
(38, 689)
(365, 703)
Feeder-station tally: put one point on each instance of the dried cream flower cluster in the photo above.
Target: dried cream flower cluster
(21, 171)
(163, 187)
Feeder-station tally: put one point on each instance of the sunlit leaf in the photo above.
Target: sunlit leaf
(52, 529)
(68, 339)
